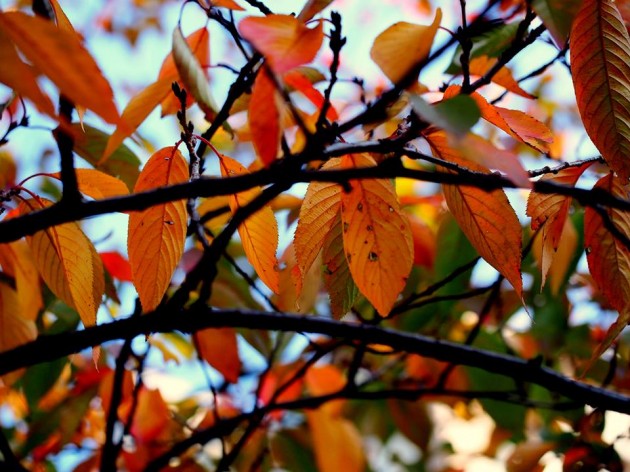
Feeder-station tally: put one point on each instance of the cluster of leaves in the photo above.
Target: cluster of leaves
(379, 253)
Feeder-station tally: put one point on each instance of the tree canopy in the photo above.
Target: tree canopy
(350, 225)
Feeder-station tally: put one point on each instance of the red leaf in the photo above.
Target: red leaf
(117, 265)
(219, 348)
(264, 119)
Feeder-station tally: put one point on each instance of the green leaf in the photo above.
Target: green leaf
(557, 16)
(456, 115)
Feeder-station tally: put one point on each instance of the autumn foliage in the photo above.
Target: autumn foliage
(318, 264)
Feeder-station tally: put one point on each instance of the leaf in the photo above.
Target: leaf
(319, 211)
(456, 114)
(376, 237)
(68, 263)
(62, 20)
(264, 119)
(312, 8)
(156, 236)
(550, 212)
(193, 77)
(324, 380)
(89, 143)
(336, 442)
(218, 347)
(301, 83)
(136, 111)
(557, 16)
(401, 48)
(117, 266)
(16, 329)
(259, 232)
(284, 40)
(555, 263)
(230, 4)
(97, 184)
(600, 66)
(17, 262)
(151, 416)
(18, 76)
(59, 55)
(486, 218)
(482, 64)
(608, 258)
(288, 298)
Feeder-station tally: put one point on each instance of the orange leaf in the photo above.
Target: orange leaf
(376, 237)
(482, 64)
(194, 78)
(555, 262)
(259, 232)
(424, 242)
(400, 49)
(156, 236)
(312, 8)
(517, 124)
(18, 76)
(317, 216)
(97, 184)
(325, 379)
(59, 55)
(229, 4)
(289, 298)
(16, 329)
(69, 264)
(151, 416)
(218, 347)
(336, 442)
(300, 82)
(136, 112)
(284, 40)
(486, 218)
(62, 20)
(17, 262)
(199, 44)
(264, 118)
(600, 66)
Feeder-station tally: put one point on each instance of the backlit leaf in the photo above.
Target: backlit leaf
(301, 83)
(600, 66)
(17, 262)
(284, 40)
(151, 416)
(136, 111)
(264, 119)
(486, 218)
(312, 8)
(456, 113)
(193, 77)
(555, 263)
(400, 49)
(156, 236)
(117, 265)
(59, 55)
(69, 264)
(230, 4)
(259, 232)
(336, 442)
(376, 237)
(218, 347)
(325, 379)
(16, 329)
(97, 184)
(481, 65)
(557, 16)
(291, 279)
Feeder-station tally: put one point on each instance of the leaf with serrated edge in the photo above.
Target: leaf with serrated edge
(608, 258)
(259, 232)
(156, 236)
(486, 218)
(482, 64)
(193, 77)
(401, 47)
(600, 67)
(550, 211)
(69, 264)
(97, 184)
(264, 119)
(376, 237)
(284, 40)
(218, 347)
(59, 55)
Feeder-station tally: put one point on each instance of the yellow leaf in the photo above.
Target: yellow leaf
(486, 218)
(156, 236)
(194, 78)
(218, 347)
(17, 262)
(59, 55)
(97, 184)
(284, 40)
(259, 232)
(264, 118)
(482, 64)
(16, 329)
(69, 264)
(213, 205)
(376, 237)
(401, 48)
(600, 67)
(136, 112)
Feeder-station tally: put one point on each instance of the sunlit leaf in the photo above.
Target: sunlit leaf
(456, 114)
(230, 4)
(193, 77)
(312, 8)
(151, 416)
(259, 232)
(16, 329)
(323, 380)
(97, 184)
(117, 265)
(376, 237)
(156, 236)
(600, 67)
(17, 262)
(288, 298)
(557, 16)
(298, 81)
(69, 264)
(59, 55)
(284, 40)
(486, 218)
(482, 64)
(218, 347)
(264, 118)
(401, 48)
